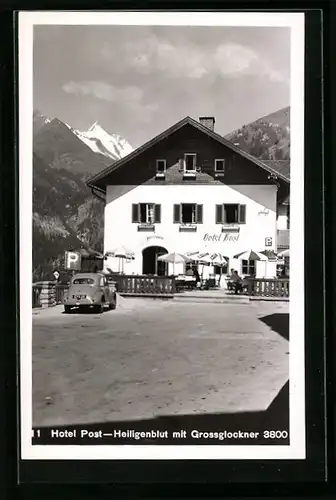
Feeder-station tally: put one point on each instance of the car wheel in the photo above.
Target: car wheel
(100, 308)
(67, 309)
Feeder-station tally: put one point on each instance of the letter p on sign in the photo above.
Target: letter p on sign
(72, 260)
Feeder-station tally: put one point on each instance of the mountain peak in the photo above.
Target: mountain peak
(39, 120)
(95, 126)
(100, 141)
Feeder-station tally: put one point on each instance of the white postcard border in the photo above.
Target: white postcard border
(296, 449)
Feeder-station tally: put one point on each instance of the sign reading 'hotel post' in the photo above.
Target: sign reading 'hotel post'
(221, 237)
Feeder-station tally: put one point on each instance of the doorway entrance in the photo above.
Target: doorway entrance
(150, 264)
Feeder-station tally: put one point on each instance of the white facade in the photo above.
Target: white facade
(258, 233)
(282, 221)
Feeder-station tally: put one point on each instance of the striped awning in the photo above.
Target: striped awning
(121, 252)
(211, 258)
(250, 255)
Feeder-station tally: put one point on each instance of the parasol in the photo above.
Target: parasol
(250, 255)
(122, 253)
(174, 258)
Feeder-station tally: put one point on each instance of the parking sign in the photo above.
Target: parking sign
(72, 260)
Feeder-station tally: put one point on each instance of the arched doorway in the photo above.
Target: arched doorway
(150, 262)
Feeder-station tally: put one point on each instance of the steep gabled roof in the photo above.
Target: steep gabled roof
(280, 166)
(186, 121)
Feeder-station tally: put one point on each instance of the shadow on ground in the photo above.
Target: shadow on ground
(275, 418)
(279, 322)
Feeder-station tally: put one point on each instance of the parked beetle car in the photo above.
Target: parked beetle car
(90, 290)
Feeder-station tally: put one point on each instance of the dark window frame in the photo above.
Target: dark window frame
(193, 170)
(198, 213)
(164, 163)
(219, 171)
(220, 217)
(250, 267)
(138, 218)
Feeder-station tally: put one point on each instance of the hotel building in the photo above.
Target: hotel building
(188, 190)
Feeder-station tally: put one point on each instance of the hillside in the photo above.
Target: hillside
(63, 209)
(61, 149)
(65, 214)
(267, 138)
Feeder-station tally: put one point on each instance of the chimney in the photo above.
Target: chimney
(208, 121)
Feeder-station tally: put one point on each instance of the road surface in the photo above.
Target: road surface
(152, 357)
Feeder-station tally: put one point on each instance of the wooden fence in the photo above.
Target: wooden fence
(268, 287)
(165, 286)
(36, 295)
(57, 293)
(144, 285)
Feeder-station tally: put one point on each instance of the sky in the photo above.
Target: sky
(136, 81)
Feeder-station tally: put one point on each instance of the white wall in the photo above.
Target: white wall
(282, 217)
(119, 230)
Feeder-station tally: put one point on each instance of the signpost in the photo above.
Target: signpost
(72, 261)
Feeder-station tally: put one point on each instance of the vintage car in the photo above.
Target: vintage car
(90, 290)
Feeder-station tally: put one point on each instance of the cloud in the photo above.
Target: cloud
(130, 97)
(105, 91)
(187, 60)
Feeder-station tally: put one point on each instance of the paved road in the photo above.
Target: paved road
(151, 357)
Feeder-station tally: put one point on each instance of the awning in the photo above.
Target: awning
(210, 258)
(250, 255)
(121, 252)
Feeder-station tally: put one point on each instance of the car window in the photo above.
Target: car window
(102, 282)
(83, 281)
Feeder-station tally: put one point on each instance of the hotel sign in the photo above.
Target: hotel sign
(221, 237)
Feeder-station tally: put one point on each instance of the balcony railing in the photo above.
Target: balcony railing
(268, 287)
(143, 285)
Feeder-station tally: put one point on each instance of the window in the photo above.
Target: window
(188, 213)
(193, 266)
(248, 267)
(83, 281)
(219, 166)
(230, 213)
(222, 269)
(146, 213)
(160, 166)
(190, 162)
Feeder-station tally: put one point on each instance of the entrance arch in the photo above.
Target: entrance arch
(150, 262)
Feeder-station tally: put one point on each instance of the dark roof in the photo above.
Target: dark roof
(92, 181)
(280, 166)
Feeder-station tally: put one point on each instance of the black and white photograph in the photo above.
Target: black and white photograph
(161, 235)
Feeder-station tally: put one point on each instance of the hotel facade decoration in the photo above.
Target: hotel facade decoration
(189, 189)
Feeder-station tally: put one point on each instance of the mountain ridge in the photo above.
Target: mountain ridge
(65, 213)
(267, 138)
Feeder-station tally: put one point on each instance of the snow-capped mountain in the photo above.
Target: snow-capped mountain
(39, 120)
(100, 141)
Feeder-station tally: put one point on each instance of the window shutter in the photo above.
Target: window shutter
(242, 214)
(219, 214)
(199, 214)
(224, 215)
(135, 212)
(177, 214)
(157, 214)
(181, 164)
